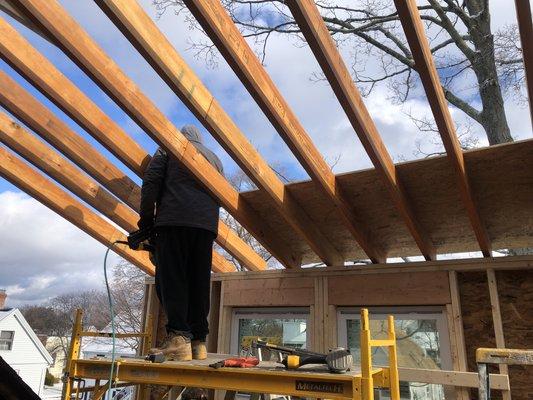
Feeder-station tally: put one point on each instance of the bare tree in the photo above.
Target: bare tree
(127, 289)
(462, 42)
(90, 301)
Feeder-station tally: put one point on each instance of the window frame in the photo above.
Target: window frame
(438, 313)
(271, 313)
(9, 341)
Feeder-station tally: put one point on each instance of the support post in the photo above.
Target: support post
(498, 324)
(393, 362)
(367, 381)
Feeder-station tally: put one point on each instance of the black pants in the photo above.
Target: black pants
(183, 276)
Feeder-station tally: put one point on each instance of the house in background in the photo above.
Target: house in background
(57, 347)
(21, 348)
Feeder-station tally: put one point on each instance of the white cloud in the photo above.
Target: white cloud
(42, 254)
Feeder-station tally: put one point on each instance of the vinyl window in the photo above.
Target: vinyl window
(6, 340)
(285, 327)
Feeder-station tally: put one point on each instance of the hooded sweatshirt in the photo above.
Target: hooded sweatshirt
(174, 194)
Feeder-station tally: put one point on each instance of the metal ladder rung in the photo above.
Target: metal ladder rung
(382, 343)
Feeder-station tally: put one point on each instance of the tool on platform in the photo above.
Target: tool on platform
(338, 360)
(236, 362)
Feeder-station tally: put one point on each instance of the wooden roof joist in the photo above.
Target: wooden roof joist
(142, 32)
(41, 156)
(41, 120)
(18, 52)
(319, 39)
(425, 66)
(525, 25)
(217, 23)
(53, 19)
(30, 181)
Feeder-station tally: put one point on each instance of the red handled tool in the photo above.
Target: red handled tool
(237, 362)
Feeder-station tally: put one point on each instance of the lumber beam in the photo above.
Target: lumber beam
(142, 32)
(525, 26)
(217, 23)
(30, 181)
(497, 323)
(9, 9)
(64, 172)
(58, 134)
(425, 66)
(24, 58)
(316, 33)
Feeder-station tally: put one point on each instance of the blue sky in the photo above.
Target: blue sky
(43, 271)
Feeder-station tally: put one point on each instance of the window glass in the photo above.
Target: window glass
(279, 328)
(6, 340)
(422, 342)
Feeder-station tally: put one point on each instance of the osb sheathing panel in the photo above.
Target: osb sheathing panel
(502, 182)
(269, 292)
(516, 303)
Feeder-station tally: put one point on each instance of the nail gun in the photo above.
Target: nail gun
(338, 360)
(139, 240)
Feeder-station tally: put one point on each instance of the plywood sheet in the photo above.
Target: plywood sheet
(502, 182)
(421, 288)
(269, 292)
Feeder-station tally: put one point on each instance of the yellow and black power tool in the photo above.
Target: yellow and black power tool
(140, 240)
(338, 360)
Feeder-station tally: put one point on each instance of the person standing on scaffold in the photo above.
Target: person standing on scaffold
(184, 218)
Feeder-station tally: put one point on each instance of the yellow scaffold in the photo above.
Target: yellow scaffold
(267, 377)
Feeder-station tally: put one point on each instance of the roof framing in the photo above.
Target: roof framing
(217, 23)
(75, 42)
(54, 165)
(19, 53)
(425, 66)
(316, 33)
(105, 181)
(142, 32)
(41, 120)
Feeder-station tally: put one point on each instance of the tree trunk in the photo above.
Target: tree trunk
(493, 118)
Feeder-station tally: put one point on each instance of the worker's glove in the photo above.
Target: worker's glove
(145, 223)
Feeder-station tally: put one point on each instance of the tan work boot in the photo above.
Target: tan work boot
(199, 350)
(175, 348)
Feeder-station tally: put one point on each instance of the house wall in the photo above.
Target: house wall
(515, 290)
(458, 286)
(24, 357)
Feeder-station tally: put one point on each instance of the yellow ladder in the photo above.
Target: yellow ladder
(367, 380)
(74, 353)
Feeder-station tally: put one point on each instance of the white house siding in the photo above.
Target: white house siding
(25, 356)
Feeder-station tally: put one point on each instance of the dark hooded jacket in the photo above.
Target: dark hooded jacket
(172, 192)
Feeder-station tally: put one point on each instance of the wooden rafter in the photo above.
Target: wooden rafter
(41, 120)
(319, 39)
(19, 53)
(30, 181)
(9, 9)
(425, 66)
(63, 171)
(525, 25)
(142, 32)
(217, 23)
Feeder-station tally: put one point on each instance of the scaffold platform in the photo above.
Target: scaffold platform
(311, 381)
